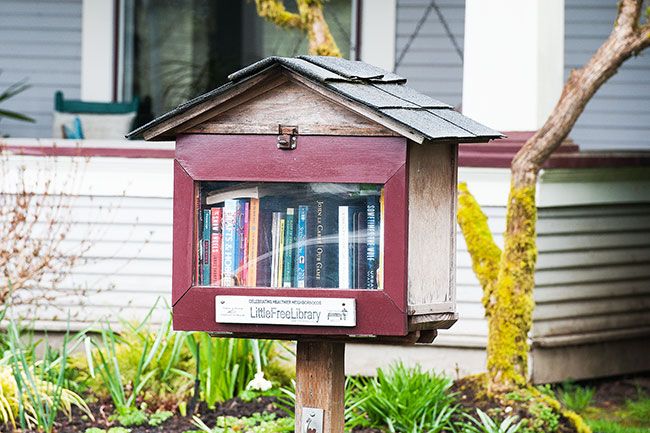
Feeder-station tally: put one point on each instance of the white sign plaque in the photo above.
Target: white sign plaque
(277, 310)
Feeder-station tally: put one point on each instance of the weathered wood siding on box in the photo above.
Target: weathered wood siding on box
(41, 42)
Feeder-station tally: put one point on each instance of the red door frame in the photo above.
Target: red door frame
(204, 157)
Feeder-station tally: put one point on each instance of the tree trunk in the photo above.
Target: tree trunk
(309, 19)
(509, 304)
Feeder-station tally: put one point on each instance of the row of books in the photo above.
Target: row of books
(271, 242)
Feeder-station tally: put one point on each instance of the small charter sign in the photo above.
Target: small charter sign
(278, 310)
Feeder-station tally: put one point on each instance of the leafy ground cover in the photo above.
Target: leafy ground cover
(150, 379)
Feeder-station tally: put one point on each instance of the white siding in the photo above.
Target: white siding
(41, 42)
(121, 215)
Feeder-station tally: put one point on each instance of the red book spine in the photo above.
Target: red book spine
(244, 248)
(216, 239)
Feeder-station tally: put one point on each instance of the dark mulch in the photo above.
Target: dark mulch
(615, 392)
(177, 424)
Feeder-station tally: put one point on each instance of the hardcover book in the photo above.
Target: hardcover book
(301, 250)
(253, 241)
(372, 246)
(228, 267)
(205, 265)
(287, 261)
(216, 244)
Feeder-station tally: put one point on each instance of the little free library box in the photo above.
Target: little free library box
(315, 197)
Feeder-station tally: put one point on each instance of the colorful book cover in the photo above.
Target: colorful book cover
(280, 250)
(253, 241)
(243, 260)
(344, 248)
(205, 265)
(301, 241)
(229, 244)
(216, 245)
(372, 241)
(287, 261)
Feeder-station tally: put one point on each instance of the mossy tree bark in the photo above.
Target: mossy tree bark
(309, 19)
(508, 277)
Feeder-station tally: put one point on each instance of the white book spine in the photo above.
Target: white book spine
(344, 248)
(274, 249)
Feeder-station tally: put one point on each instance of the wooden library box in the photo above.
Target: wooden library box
(315, 197)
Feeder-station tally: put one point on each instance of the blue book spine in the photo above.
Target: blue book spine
(228, 263)
(302, 246)
(372, 243)
(207, 233)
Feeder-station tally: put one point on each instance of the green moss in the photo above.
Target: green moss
(483, 250)
(510, 316)
(309, 19)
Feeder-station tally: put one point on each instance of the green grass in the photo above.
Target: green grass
(608, 426)
(639, 410)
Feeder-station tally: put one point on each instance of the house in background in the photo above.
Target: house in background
(502, 63)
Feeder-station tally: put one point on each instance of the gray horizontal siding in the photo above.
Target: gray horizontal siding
(618, 117)
(41, 42)
(431, 63)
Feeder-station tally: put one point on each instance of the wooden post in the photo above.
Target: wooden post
(320, 383)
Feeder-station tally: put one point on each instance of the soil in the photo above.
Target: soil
(610, 393)
(177, 424)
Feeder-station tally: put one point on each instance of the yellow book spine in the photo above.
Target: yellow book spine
(253, 236)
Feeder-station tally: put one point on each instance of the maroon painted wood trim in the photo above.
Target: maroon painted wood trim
(499, 154)
(323, 159)
(90, 152)
(183, 253)
(257, 158)
(377, 314)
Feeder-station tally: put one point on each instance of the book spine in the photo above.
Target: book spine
(380, 268)
(205, 265)
(280, 270)
(198, 244)
(344, 248)
(243, 261)
(253, 241)
(301, 240)
(372, 244)
(319, 245)
(229, 246)
(216, 241)
(361, 247)
(275, 239)
(287, 271)
(239, 227)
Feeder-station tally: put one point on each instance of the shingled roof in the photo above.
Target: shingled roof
(379, 90)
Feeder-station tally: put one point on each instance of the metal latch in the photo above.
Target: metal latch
(287, 137)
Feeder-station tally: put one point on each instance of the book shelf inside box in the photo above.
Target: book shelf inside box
(289, 235)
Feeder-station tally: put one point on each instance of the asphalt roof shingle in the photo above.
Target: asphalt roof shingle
(379, 90)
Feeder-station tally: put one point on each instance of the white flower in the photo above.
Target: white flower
(508, 409)
(259, 383)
